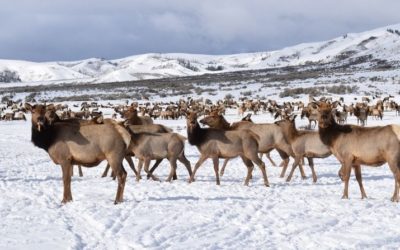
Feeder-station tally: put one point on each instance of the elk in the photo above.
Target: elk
(152, 128)
(271, 137)
(131, 115)
(311, 113)
(216, 144)
(158, 146)
(304, 144)
(361, 112)
(341, 116)
(354, 145)
(69, 143)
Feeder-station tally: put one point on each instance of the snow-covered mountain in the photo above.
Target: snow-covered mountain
(381, 44)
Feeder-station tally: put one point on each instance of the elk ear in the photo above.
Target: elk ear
(293, 117)
(276, 115)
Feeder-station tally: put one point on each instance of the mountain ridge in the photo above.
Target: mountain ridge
(380, 45)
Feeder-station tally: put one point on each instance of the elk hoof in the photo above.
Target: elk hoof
(116, 202)
(65, 201)
(345, 197)
(395, 199)
(304, 177)
(266, 184)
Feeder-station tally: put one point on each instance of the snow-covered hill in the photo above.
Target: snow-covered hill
(381, 44)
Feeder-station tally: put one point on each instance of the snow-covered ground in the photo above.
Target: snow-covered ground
(201, 215)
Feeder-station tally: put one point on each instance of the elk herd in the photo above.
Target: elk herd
(86, 138)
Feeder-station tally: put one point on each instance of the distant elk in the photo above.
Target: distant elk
(311, 112)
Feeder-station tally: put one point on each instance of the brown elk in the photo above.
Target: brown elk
(341, 116)
(361, 112)
(304, 144)
(354, 145)
(152, 128)
(311, 113)
(216, 144)
(71, 144)
(131, 115)
(158, 146)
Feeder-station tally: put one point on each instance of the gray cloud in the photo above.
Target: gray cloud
(70, 30)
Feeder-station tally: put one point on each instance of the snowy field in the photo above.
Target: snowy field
(201, 215)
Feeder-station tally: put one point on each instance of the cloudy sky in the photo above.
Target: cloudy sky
(46, 30)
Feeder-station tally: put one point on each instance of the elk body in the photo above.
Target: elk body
(71, 144)
(304, 144)
(152, 128)
(159, 146)
(216, 144)
(353, 145)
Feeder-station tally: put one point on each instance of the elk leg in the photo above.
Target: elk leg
(198, 164)
(172, 162)
(250, 168)
(121, 174)
(131, 164)
(357, 172)
(216, 169)
(347, 172)
(396, 174)
(303, 175)
(66, 171)
(106, 171)
(261, 165)
(223, 166)
(285, 159)
(311, 164)
(154, 167)
(341, 173)
(80, 171)
(140, 165)
(147, 165)
(182, 158)
(296, 162)
(270, 159)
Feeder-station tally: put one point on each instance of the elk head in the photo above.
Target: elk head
(191, 121)
(325, 117)
(38, 116)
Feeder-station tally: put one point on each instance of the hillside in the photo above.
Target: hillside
(375, 48)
